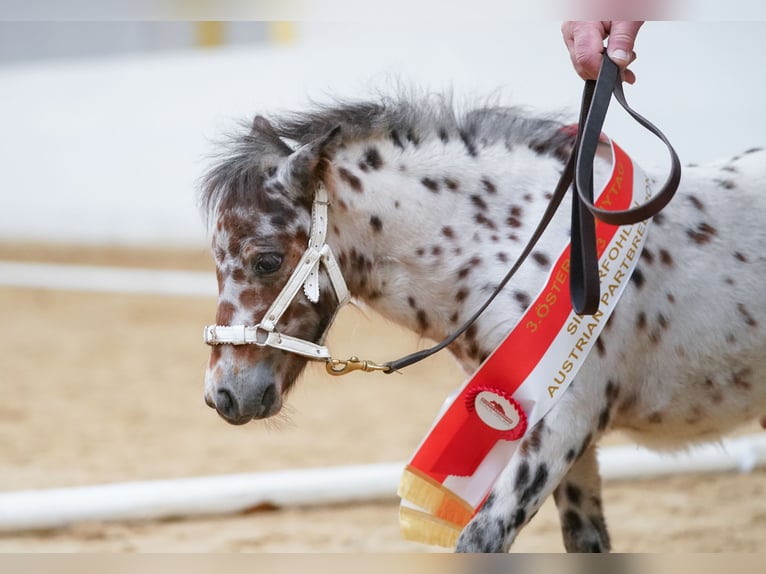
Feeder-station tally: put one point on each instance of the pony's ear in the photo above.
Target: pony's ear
(262, 127)
(308, 163)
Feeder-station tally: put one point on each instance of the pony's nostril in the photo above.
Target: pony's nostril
(268, 399)
(209, 402)
(225, 404)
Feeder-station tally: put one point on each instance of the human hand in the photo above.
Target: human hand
(585, 41)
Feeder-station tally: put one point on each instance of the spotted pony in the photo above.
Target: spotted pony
(428, 208)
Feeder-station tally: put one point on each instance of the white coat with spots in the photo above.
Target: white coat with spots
(428, 209)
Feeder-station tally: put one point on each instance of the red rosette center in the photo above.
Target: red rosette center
(498, 410)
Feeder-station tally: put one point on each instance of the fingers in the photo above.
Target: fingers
(585, 41)
(622, 38)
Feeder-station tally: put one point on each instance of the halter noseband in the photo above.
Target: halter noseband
(306, 275)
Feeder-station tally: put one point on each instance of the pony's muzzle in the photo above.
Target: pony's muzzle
(247, 395)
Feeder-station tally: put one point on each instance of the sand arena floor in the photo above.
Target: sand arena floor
(105, 388)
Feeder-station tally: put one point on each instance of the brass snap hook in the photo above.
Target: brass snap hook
(337, 367)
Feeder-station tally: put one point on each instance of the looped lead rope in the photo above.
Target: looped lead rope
(584, 279)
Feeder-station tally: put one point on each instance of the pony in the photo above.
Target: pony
(425, 208)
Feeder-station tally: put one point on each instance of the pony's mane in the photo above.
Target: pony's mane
(249, 155)
(415, 119)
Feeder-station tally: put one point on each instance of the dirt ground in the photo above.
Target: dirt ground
(105, 388)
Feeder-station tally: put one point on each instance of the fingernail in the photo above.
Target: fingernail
(620, 55)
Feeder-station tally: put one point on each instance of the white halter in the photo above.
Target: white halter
(305, 274)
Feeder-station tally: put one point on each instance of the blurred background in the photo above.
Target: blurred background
(106, 128)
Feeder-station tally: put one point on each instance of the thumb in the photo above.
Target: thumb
(622, 37)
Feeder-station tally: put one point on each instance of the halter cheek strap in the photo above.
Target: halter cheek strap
(306, 275)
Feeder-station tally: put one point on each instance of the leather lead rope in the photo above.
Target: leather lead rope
(584, 280)
(578, 173)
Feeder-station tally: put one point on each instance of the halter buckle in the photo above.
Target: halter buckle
(336, 367)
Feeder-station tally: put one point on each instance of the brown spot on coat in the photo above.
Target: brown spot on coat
(249, 298)
(638, 278)
(533, 441)
(671, 298)
(749, 319)
(215, 355)
(376, 223)
(541, 259)
(352, 180)
(665, 257)
(478, 202)
(239, 275)
(574, 494)
(485, 221)
(451, 184)
(694, 200)
(739, 379)
(647, 256)
(430, 184)
(372, 158)
(523, 298)
(422, 319)
(225, 313)
(488, 185)
(703, 234)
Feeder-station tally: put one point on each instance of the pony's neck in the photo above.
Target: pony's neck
(425, 230)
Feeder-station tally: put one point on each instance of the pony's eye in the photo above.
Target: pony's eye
(267, 263)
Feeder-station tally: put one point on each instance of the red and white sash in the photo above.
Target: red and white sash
(480, 427)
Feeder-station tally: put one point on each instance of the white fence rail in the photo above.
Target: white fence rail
(229, 494)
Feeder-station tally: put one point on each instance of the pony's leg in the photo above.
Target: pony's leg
(543, 459)
(578, 499)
